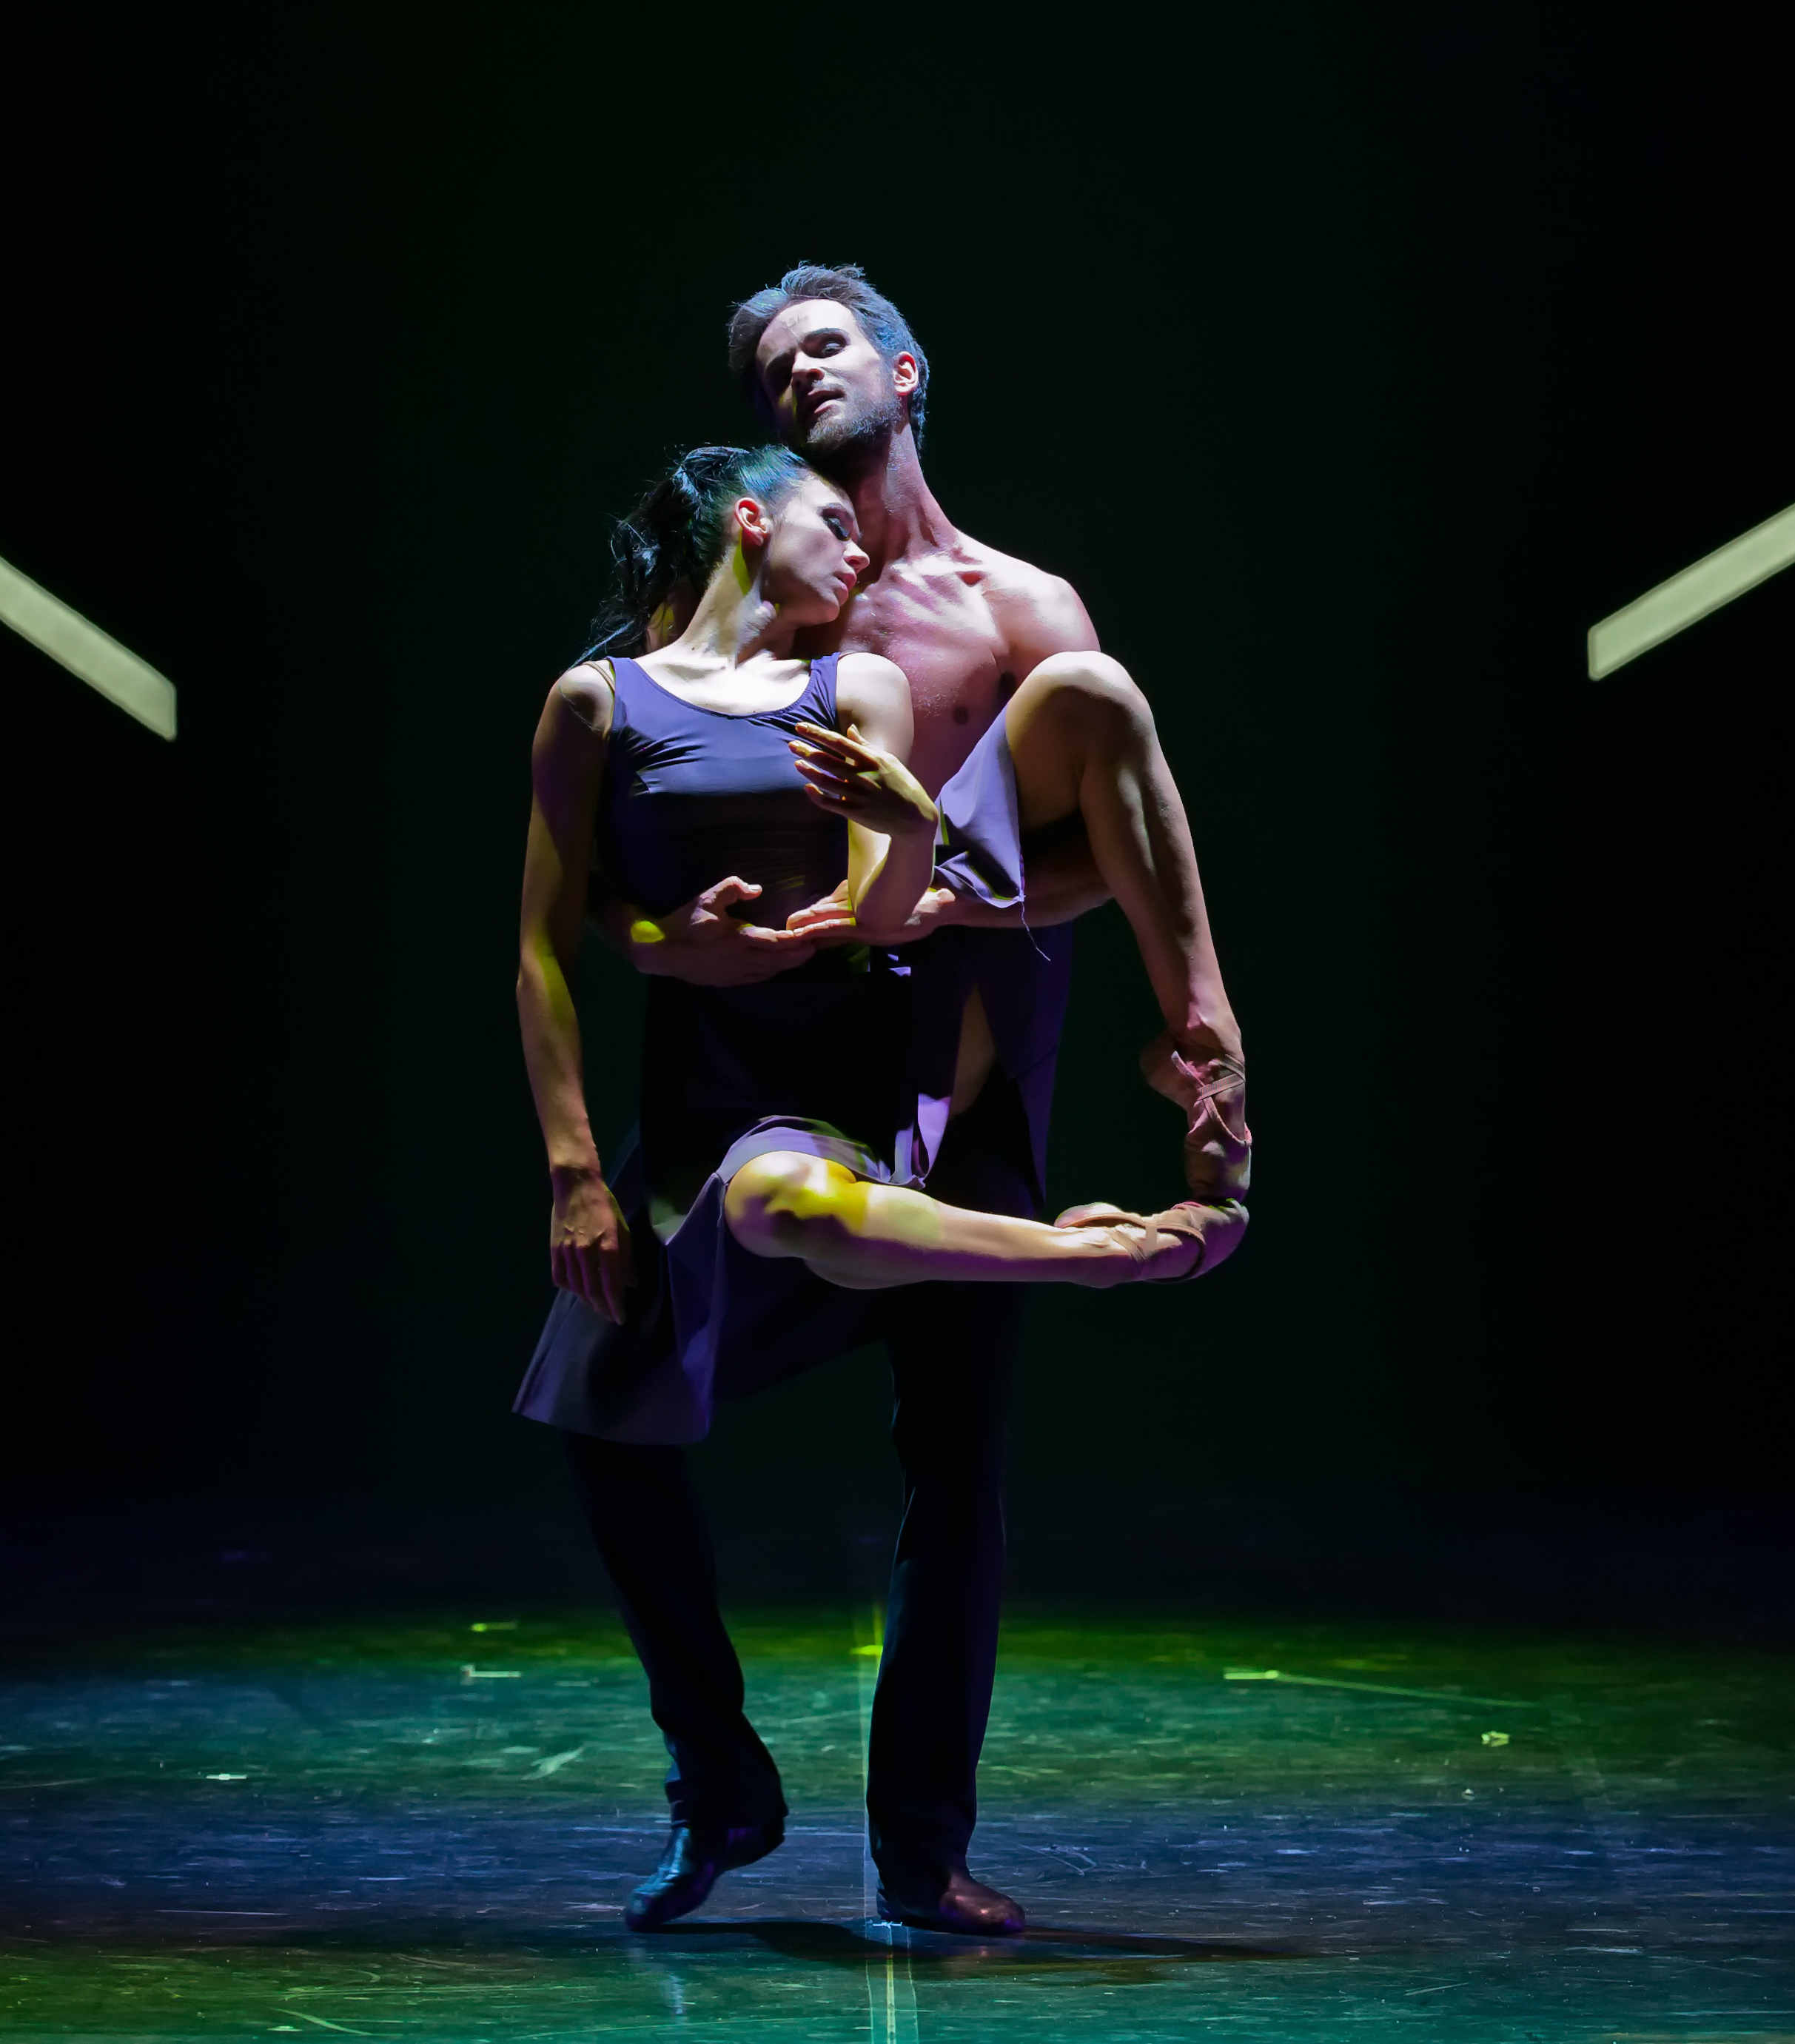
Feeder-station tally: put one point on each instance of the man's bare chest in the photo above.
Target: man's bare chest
(954, 658)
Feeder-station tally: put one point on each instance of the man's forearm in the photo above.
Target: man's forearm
(1063, 885)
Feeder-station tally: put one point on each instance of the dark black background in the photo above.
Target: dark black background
(1351, 363)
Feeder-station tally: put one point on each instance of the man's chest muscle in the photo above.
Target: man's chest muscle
(954, 658)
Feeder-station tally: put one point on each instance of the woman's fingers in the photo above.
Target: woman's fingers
(839, 763)
(826, 735)
(613, 1282)
(845, 792)
(612, 1268)
(840, 805)
(593, 1288)
(577, 1268)
(839, 773)
(827, 777)
(840, 743)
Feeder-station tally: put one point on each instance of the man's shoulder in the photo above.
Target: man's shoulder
(1004, 577)
(1029, 603)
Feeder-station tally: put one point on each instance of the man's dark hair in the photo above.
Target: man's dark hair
(843, 284)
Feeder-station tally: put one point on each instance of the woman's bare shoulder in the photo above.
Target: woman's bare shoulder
(872, 692)
(589, 690)
(869, 674)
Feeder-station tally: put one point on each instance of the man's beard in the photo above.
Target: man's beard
(843, 443)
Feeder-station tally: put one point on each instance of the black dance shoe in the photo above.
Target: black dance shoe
(956, 1903)
(690, 1868)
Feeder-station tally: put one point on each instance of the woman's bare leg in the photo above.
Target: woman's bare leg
(865, 1236)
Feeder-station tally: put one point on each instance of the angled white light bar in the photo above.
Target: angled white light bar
(1661, 612)
(85, 650)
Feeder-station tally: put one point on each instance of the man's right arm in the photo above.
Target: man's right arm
(1063, 884)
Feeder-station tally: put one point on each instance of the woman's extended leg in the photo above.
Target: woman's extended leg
(1082, 740)
(864, 1236)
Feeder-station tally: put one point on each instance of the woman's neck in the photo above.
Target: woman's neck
(735, 622)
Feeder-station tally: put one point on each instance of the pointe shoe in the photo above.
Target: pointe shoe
(957, 1903)
(1159, 1242)
(1212, 1092)
(689, 1869)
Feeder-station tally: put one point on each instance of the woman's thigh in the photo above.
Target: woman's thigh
(773, 1200)
(1074, 706)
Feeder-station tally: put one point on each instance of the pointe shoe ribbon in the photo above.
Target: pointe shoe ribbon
(1217, 1230)
(1212, 1092)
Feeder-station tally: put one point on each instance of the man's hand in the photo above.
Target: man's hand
(589, 1242)
(705, 946)
(830, 920)
(834, 909)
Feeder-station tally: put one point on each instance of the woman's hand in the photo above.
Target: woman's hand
(589, 1242)
(849, 777)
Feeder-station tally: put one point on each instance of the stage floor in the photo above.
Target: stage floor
(426, 1827)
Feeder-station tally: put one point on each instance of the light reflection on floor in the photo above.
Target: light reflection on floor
(336, 1829)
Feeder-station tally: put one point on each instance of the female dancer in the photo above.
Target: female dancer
(772, 1175)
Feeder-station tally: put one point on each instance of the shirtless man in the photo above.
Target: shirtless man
(1002, 663)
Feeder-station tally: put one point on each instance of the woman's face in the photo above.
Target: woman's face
(814, 556)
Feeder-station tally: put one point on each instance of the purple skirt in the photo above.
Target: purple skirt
(709, 1320)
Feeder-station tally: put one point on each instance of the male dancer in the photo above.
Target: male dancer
(1003, 662)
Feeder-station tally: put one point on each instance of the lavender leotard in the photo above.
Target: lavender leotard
(848, 1057)
(814, 1060)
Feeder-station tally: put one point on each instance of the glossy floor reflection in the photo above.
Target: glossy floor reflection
(427, 1829)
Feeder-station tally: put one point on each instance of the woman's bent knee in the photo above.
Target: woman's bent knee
(1087, 696)
(775, 1204)
(1092, 679)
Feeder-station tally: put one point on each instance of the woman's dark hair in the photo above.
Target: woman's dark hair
(680, 531)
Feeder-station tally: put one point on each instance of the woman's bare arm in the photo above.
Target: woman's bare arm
(588, 1245)
(859, 774)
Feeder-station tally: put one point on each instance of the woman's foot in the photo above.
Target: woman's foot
(1212, 1090)
(1182, 1242)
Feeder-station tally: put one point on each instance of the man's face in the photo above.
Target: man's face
(832, 394)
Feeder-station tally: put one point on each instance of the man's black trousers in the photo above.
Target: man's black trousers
(953, 1351)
